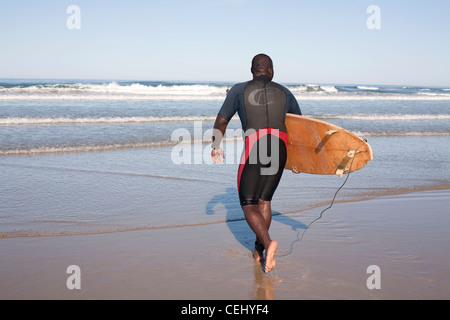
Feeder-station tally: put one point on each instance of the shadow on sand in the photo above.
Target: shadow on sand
(234, 213)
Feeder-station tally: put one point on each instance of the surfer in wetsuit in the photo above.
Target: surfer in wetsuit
(262, 106)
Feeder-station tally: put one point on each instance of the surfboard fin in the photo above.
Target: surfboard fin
(340, 172)
(341, 169)
(330, 132)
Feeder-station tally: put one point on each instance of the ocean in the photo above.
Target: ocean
(96, 156)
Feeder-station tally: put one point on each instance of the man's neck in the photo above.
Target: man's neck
(262, 76)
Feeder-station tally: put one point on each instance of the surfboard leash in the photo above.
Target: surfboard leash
(297, 241)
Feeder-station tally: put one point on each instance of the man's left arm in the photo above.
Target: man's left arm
(293, 106)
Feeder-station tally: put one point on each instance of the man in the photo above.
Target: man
(262, 106)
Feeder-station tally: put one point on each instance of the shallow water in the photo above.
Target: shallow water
(126, 189)
(92, 158)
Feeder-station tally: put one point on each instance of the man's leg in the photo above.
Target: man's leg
(257, 223)
(266, 211)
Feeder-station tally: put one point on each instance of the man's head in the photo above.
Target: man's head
(262, 65)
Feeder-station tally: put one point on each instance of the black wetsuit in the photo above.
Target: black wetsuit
(262, 106)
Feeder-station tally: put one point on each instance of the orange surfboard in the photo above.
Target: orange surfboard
(319, 147)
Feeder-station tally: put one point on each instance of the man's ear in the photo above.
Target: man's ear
(271, 73)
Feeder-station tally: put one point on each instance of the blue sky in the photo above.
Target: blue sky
(197, 40)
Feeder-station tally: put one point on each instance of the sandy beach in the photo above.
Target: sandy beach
(405, 235)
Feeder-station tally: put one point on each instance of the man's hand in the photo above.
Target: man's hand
(218, 155)
(220, 126)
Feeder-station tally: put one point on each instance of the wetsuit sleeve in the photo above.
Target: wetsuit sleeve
(230, 105)
(292, 104)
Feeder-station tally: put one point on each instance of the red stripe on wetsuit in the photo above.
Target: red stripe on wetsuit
(250, 142)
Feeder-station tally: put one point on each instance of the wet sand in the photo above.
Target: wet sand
(406, 236)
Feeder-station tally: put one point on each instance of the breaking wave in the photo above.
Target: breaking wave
(17, 121)
(203, 91)
(31, 121)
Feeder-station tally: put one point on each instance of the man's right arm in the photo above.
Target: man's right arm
(220, 126)
(226, 112)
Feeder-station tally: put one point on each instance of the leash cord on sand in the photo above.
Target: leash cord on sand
(296, 242)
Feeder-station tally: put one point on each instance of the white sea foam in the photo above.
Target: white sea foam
(82, 148)
(14, 121)
(367, 88)
(183, 92)
(113, 91)
(432, 94)
(55, 149)
(401, 134)
(36, 121)
(378, 97)
(115, 88)
(388, 117)
(21, 151)
(329, 89)
(300, 97)
(115, 97)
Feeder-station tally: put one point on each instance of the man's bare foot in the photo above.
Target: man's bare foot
(258, 254)
(270, 256)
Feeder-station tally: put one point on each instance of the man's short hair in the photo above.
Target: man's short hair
(261, 63)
